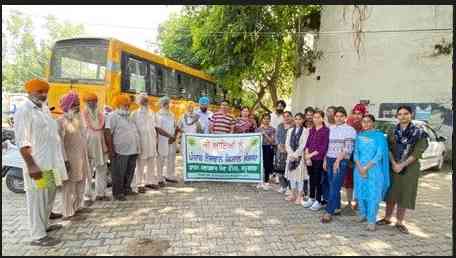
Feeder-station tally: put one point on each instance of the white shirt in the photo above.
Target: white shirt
(145, 121)
(341, 138)
(276, 120)
(185, 125)
(124, 134)
(35, 128)
(204, 119)
(166, 122)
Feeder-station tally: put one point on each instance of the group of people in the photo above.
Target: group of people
(310, 156)
(314, 154)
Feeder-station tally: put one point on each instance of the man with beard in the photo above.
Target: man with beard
(330, 120)
(277, 116)
(124, 147)
(38, 139)
(73, 135)
(167, 130)
(354, 120)
(94, 122)
(145, 121)
(309, 112)
(204, 114)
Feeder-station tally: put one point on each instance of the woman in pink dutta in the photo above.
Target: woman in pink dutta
(73, 136)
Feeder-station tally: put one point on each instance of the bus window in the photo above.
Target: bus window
(81, 60)
(153, 80)
(160, 81)
(136, 75)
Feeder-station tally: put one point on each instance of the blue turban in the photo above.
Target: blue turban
(204, 101)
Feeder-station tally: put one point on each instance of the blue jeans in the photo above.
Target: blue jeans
(335, 183)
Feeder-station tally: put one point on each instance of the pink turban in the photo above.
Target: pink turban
(69, 100)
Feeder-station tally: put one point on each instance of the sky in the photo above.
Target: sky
(133, 24)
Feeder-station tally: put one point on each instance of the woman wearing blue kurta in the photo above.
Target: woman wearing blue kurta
(372, 170)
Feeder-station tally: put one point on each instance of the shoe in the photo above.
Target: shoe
(84, 210)
(154, 187)
(282, 190)
(308, 203)
(99, 198)
(54, 216)
(288, 192)
(46, 241)
(259, 186)
(120, 198)
(174, 181)
(316, 206)
(54, 227)
(402, 229)
(266, 187)
(132, 193)
(88, 203)
(162, 184)
(141, 190)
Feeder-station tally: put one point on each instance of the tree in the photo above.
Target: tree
(26, 59)
(253, 51)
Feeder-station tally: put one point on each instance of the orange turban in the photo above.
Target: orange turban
(89, 96)
(35, 85)
(121, 100)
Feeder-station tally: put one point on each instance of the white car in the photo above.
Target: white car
(434, 156)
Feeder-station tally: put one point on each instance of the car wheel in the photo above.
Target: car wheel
(15, 184)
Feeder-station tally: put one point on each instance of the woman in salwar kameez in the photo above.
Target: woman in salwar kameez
(407, 142)
(371, 175)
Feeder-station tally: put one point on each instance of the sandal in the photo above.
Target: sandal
(54, 228)
(383, 222)
(326, 219)
(403, 229)
(45, 242)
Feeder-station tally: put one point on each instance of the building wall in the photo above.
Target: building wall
(392, 67)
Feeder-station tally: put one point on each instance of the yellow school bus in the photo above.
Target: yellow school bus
(109, 67)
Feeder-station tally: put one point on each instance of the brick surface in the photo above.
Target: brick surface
(233, 219)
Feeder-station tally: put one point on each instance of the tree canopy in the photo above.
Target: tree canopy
(23, 58)
(255, 52)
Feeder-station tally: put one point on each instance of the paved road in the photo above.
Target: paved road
(232, 219)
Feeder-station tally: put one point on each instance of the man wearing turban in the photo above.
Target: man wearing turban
(94, 122)
(354, 120)
(73, 135)
(167, 130)
(38, 139)
(145, 121)
(123, 146)
(204, 114)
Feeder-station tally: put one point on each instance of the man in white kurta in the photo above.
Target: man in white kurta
(94, 122)
(145, 121)
(40, 145)
(166, 143)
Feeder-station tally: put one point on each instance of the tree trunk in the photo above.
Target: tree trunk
(272, 83)
(260, 95)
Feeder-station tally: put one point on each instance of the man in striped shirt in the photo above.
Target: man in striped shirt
(221, 122)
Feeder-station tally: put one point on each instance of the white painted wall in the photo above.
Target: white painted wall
(392, 66)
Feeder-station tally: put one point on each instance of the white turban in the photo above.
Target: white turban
(164, 100)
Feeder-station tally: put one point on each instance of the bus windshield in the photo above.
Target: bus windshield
(80, 60)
